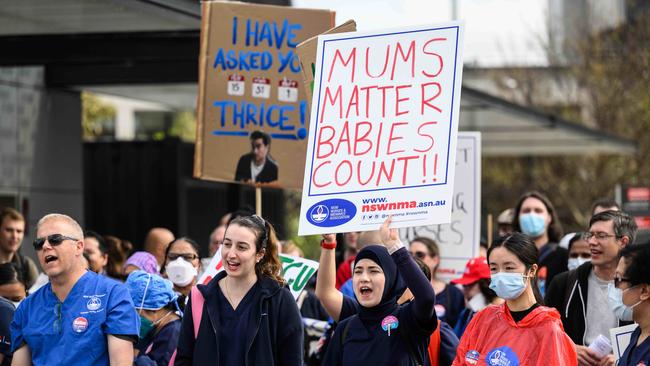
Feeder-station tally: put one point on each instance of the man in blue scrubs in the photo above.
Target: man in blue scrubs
(79, 317)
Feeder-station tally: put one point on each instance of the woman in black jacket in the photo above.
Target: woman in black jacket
(383, 332)
(248, 317)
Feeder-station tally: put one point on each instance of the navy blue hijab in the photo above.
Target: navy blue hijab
(394, 286)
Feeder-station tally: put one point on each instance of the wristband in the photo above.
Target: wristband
(395, 247)
(326, 245)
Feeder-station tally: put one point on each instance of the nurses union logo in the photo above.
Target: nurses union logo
(502, 356)
(94, 303)
(319, 213)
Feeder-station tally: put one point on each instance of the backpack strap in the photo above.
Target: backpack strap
(197, 309)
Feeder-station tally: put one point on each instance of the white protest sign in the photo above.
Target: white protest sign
(295, 270)
(458, 241)
(620, 338)
(382, 135)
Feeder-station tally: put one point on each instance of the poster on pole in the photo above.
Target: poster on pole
(459, 240)
(383, 128)
(295, 270)
(252, 114)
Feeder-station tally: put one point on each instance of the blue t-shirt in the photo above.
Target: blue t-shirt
(75, 332)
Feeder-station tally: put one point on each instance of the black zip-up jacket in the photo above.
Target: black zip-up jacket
(568, 294)
(274, 338)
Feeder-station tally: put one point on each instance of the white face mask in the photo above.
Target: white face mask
(16, 303)
(577, 262)
(181, 272)
(477, 303)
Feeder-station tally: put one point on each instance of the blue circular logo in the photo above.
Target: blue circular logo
(332, 212)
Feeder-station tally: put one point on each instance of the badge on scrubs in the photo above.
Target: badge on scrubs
(472, 357)
(388, 323)
(80, 324)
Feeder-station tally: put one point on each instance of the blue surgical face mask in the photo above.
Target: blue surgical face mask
(577, 262)
(508, 286)
(532, 224)
(615, 301)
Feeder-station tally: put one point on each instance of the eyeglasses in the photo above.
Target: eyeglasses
(419, 255)
(581, 255)
(599, 235)
(618, 280)
(187, 256)
(54, 240)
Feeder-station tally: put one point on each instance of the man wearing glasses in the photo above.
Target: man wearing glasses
(257, 166)
(79, 317)
(581, 295)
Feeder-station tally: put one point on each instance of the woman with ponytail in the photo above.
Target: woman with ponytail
(520, 331)
(247, 316)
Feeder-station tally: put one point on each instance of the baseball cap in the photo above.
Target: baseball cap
(475, 269)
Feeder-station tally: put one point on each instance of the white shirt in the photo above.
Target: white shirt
(600, 318)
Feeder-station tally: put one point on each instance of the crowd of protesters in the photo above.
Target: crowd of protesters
(533, 296)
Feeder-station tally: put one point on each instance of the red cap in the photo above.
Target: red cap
(475, 269)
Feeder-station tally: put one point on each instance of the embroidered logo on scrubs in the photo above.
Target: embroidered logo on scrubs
(389, 322)
(94, 303)
(472, 357)
(80, 324)
(502, 356)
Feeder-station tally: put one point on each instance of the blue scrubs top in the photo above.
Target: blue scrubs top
(75, 332)
(636, 355)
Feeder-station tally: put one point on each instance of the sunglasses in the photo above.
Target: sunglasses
(187, 256)
(619, 280)
(419, 255)
(54, 240)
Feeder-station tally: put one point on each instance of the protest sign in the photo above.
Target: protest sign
(620, 338)
(459, 240)
(249, 80)
(382, 134)
(295, 270)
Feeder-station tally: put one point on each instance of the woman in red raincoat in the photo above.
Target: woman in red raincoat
(521, 331)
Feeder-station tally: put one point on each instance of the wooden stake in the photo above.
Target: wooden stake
(258, 201)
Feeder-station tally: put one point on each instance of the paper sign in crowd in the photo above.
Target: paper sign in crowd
(295, 270)
(250, 80)
(383, 128)
(460, 238)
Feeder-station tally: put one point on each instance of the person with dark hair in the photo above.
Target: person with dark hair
(579, 252)
(118, 251)
(476, 288)
(12, 287)
(12, 293)
(12, 232)
(536, 217)
(581, 295)
(604, 204)
(521, 331)
(95, 251)
(257, 166)
(160, 318)
(449, 299)
(248, 316)
(633, 291)
(380, 331)
(182, 264)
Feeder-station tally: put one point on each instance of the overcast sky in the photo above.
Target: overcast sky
(498, 32)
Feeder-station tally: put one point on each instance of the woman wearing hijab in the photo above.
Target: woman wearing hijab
(160, 323)
(521, 331)
(383, 332)
(248, 317)
(633, 291)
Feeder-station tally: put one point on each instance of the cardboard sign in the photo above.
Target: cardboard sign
(295, 270)
(459, 240)
(620, 338)
(249, 80)
(382, 136)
